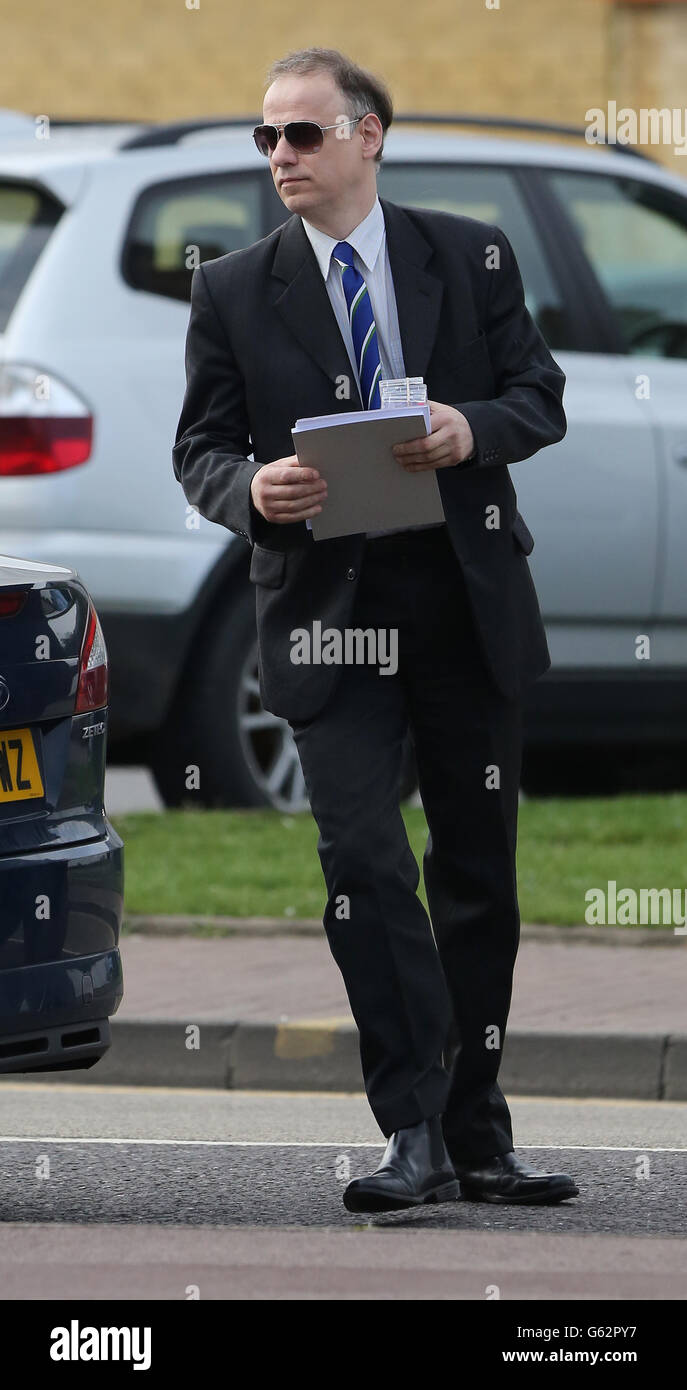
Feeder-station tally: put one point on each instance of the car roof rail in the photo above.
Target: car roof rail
(171, 132)
(76, 121)
(517, 123)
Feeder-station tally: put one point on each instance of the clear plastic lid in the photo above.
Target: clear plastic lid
(405, 390)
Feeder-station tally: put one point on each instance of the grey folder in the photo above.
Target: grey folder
(367, 488)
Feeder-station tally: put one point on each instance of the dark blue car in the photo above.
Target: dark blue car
(61, 861)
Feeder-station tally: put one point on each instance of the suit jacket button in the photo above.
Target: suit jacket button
(350, 574)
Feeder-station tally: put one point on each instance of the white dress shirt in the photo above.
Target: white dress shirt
(371, 260)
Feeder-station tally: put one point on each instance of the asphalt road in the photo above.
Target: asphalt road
(138, 1193)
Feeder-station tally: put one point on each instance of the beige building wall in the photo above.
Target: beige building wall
(166, 59)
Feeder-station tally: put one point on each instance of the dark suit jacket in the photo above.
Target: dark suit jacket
(263, 347)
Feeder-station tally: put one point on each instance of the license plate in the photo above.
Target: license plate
(20, 777)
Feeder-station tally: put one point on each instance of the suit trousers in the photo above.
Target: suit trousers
(430, 998)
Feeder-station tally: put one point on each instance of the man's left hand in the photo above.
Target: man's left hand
(450, 442)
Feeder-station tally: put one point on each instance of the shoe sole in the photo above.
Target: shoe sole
(544, 1199)
(376, 1202)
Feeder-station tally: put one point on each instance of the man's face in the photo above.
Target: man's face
(342, 168)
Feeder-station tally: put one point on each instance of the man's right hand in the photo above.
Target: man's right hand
(283, 491)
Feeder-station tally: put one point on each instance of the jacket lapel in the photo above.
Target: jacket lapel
(418, 293)
(305, 308)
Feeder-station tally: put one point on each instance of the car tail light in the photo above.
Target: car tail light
(12, 601)
(91, 692)
(44, 425)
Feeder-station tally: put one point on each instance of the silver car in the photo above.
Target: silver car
(96, 225)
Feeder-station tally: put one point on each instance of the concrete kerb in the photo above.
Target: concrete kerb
(321, 1056)
(162, 926)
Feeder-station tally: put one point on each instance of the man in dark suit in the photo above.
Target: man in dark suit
(305, 322)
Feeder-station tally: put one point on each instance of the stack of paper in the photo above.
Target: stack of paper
(368, 489)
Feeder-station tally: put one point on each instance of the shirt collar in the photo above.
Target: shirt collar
(366, 239)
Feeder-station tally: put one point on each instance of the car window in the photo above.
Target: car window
(491, 195)
(635, 236)
(216, 213)
(27, 218)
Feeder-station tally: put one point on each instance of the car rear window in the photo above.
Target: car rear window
(28, 215)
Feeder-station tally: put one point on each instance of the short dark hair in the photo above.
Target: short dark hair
(361, 90)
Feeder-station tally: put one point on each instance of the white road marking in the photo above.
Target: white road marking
(316, 1144)
(104, 1090)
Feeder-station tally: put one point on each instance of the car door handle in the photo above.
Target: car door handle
(680, 454)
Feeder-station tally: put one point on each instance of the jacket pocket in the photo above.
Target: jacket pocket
(523, 535)
(267, 567)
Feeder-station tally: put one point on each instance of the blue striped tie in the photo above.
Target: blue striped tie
(363, 329)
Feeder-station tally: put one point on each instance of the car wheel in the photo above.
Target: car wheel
(219, 746)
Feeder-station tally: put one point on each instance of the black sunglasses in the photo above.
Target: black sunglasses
(307, 137)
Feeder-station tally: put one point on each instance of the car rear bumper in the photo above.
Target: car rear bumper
(60, 903)
(67, 1048)
(55, 1017)
(60, 966)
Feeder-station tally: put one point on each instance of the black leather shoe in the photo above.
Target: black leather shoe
(415, 1169)
(504, 1178)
